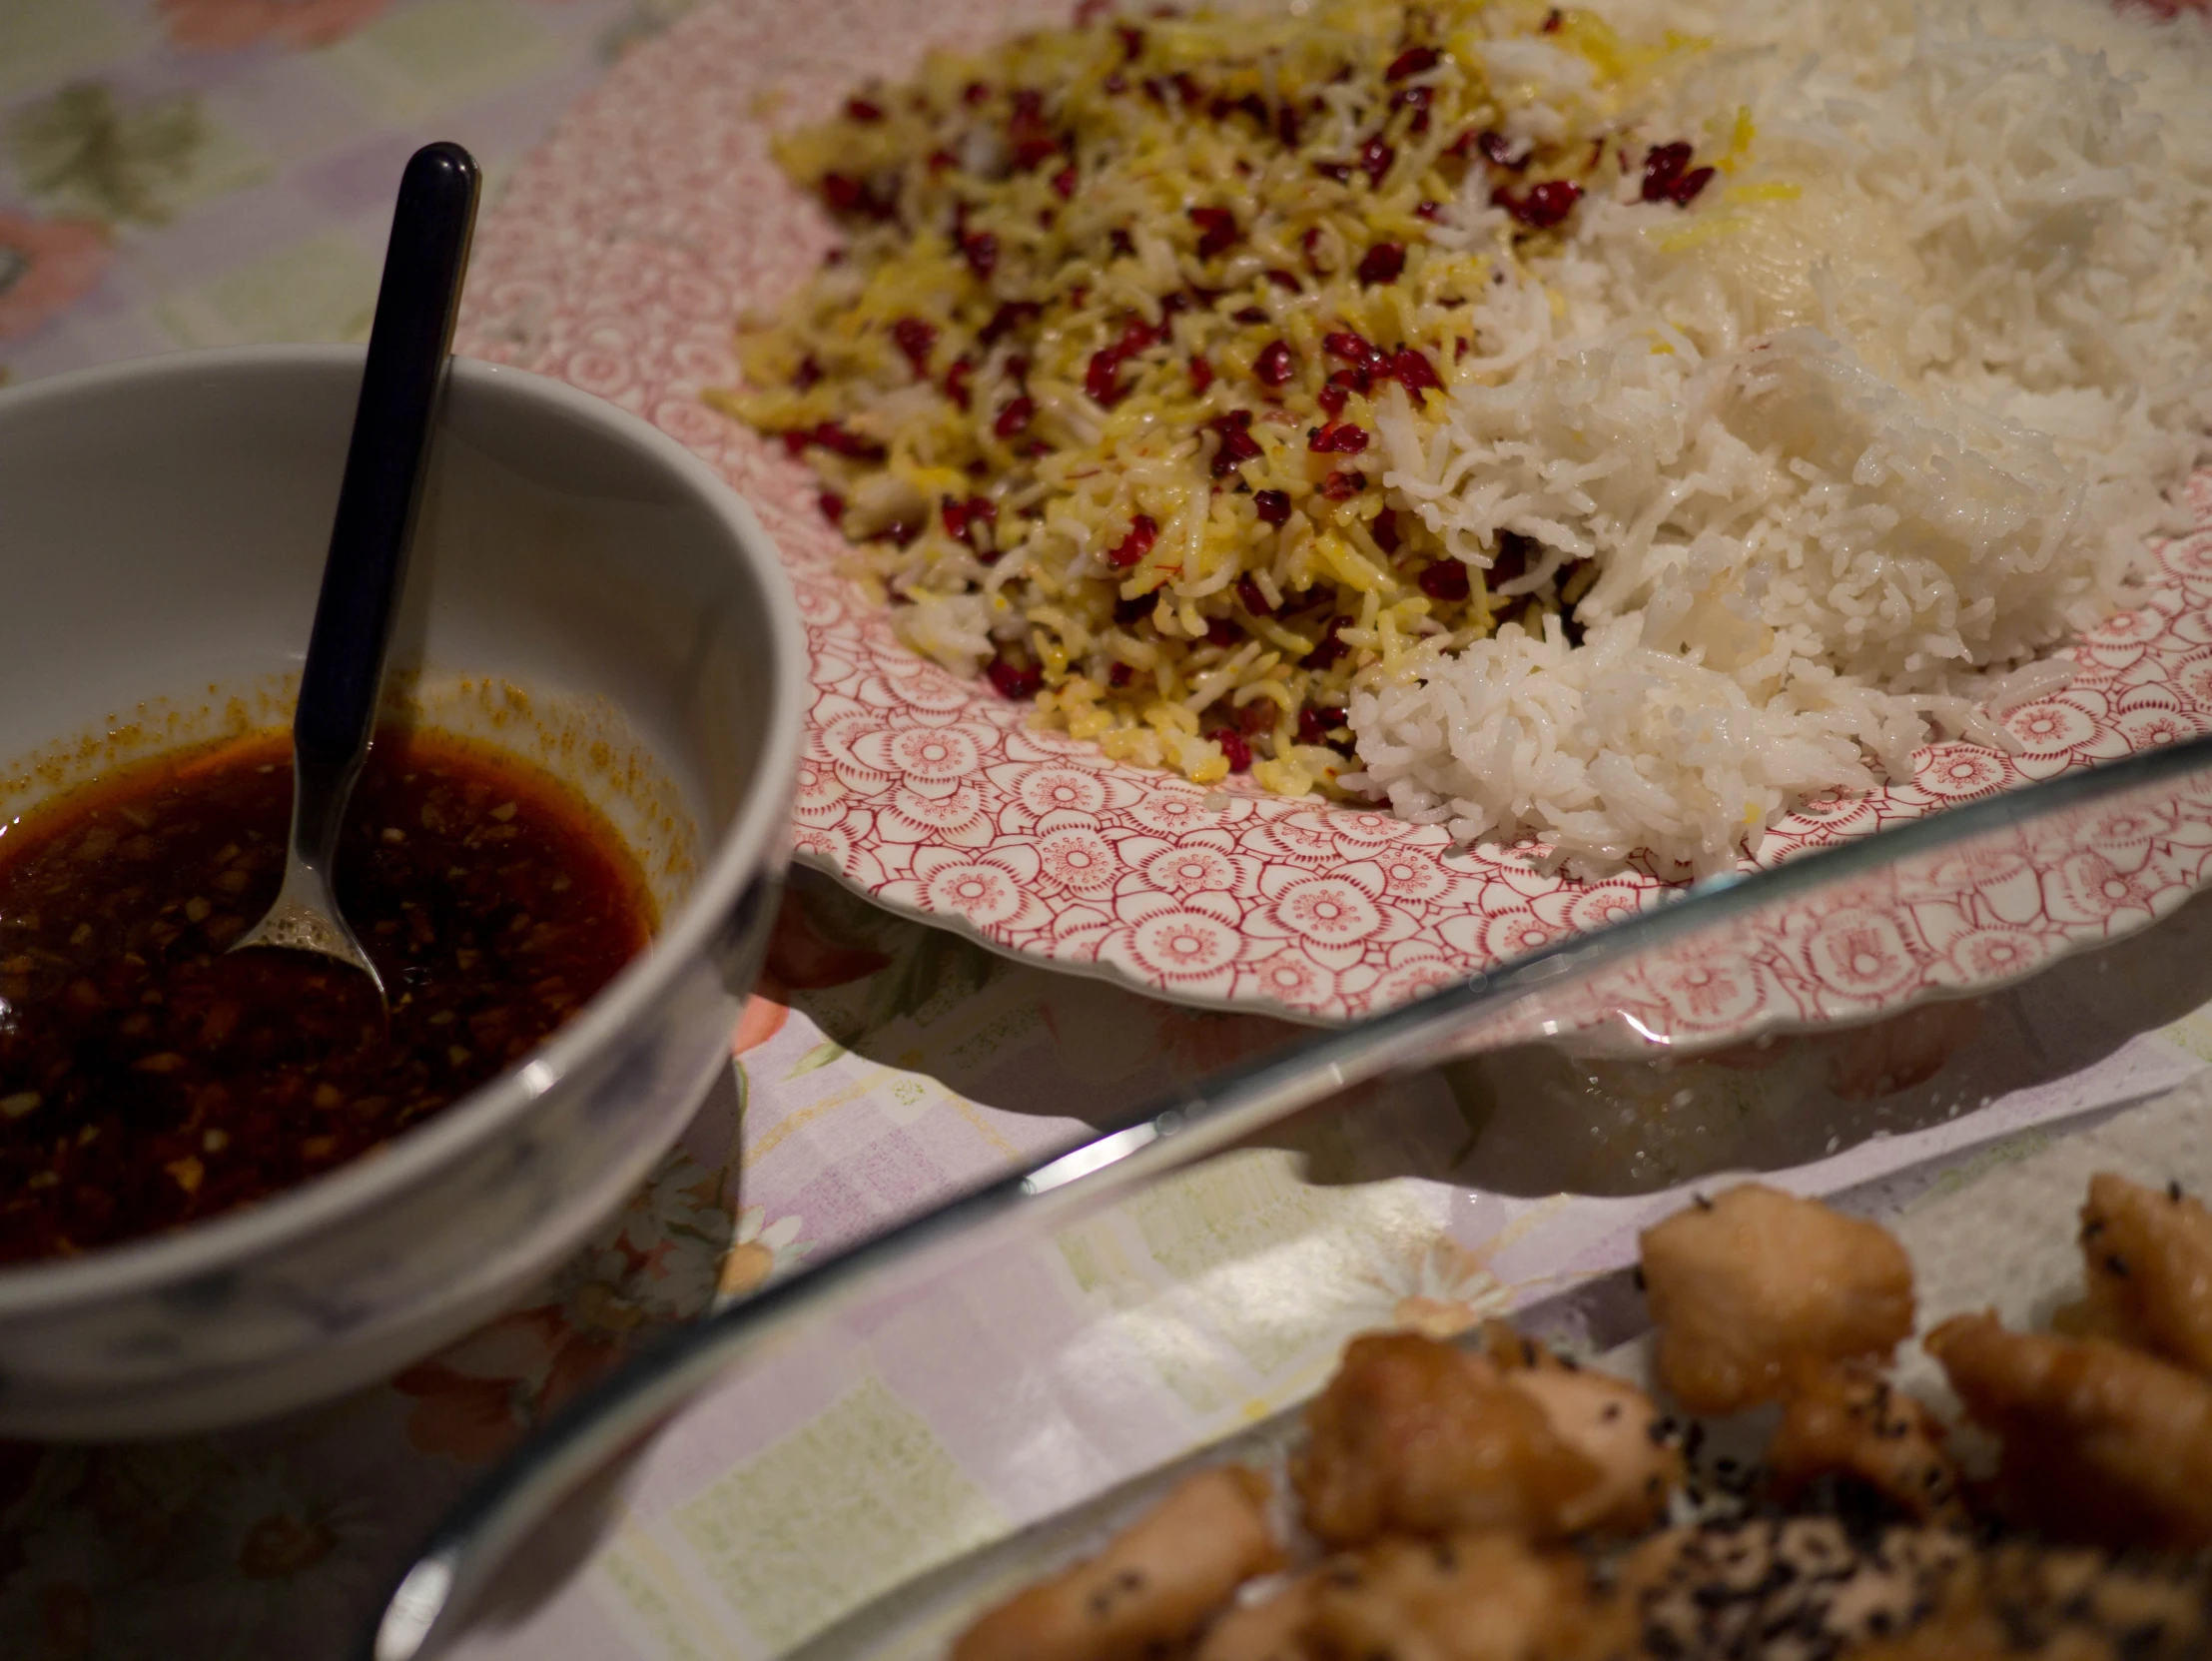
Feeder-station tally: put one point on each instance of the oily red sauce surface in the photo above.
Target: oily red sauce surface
(146, 1079)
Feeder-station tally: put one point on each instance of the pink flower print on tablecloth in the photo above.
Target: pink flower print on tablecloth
(226, 25)
(657, 1262)
(762, 1020)
(475, 1400)
(45, 265)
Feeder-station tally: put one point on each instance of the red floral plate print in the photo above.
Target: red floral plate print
(619, 258)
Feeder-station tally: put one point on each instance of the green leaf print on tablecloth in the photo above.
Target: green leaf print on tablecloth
(820, 1056)
(81, 151)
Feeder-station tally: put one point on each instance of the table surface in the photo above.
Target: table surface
(181, 172)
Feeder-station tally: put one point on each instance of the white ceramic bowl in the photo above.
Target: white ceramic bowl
(585, 593)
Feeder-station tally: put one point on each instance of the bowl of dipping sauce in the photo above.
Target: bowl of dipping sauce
(231, 1183)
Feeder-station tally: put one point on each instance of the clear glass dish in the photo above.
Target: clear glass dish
(847, 1459)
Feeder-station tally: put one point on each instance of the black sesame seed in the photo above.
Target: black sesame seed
(2115, 1264)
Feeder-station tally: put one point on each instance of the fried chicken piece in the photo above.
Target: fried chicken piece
(2026, 1600)
(1416, 1436)
(1846, 1420)
(1152, 1592)
(1508, 1352)
(1758, 1283)
(1607, 1419)
(1781, 1589)
(1616, 1427)
(1462, 1598)
(2147, 1255)
(1271, 1629)
(2102, 1445)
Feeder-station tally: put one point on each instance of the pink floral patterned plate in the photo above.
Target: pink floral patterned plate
(620, 256)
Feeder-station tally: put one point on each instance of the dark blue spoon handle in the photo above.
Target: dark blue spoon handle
(409, 344)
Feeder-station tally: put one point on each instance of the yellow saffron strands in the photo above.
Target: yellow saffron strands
(1096, 384)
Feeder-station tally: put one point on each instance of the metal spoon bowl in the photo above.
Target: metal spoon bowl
(410, 344)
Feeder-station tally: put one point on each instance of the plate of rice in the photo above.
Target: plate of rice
(1296, 504)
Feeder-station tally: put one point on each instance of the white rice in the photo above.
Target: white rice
(1838, 459)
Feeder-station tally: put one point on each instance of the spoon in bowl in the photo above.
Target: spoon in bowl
(334, 720)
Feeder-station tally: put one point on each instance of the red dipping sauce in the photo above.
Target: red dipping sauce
(148, 1079)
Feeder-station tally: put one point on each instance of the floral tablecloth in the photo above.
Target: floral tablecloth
(178, 173)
